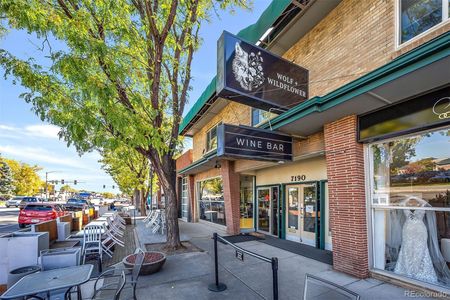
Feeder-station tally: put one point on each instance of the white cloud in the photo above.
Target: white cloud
(40, 155)
(31, 131)
(44, 131)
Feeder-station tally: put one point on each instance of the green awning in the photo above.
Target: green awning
(251, 34)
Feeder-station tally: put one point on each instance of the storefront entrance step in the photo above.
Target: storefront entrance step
(324, 256)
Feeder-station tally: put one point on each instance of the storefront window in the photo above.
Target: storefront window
(211, 139)
(246, 207)
(410, 181)
(211, 201)
(260, 116)
(417, 16)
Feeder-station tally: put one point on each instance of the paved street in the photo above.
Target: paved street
(8, 219)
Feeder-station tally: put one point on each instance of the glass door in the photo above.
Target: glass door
(301, 213)
(308, 226)
(275, 210)
(293, 212)
(184, 198)
(268, 209)
(263, 196)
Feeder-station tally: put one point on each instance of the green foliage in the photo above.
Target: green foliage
(122, 78)
(6, 178)
(108, 195)
(67, 188)
(129, 169)
(26, 180)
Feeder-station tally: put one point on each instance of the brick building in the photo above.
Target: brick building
(361, 178)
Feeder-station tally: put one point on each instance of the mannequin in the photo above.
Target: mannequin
(414, 259)
(414, 256)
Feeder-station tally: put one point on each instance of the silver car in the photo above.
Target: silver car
(14, 202)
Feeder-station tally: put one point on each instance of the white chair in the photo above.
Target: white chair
(92, 241)
(118, 223)
(113, 228)
(154, 220)
(110, 241)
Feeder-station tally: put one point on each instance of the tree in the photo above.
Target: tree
(122, 78)
(26, 180)
(6, 178)
(108, 195)
(130, 170)
(67, 189)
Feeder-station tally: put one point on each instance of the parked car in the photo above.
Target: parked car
(441, 177)
(15, 201)
(27, 200)
(38, 212)
(74, 204)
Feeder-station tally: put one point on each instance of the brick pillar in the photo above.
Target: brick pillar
(231, 185)
(345, 171)
(191, 196)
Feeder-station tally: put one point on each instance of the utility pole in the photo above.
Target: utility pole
(46, 183)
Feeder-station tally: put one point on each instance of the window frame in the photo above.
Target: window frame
(208, 139)
(398, 43)
(271, 116)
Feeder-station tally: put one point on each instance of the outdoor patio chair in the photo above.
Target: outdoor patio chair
(115, 287)
(110, 241)
(121, 220)
(113, 228)
(154, 220)
(92, 242)
(318, 288)
(117, 221)
(149, 216)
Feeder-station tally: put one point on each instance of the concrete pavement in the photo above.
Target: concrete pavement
(8, 220)
(186, 276)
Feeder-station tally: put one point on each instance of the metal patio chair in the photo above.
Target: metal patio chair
(92, 242)
(116, 286)
(109, 241)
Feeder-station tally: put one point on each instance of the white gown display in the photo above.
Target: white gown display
(414, 258)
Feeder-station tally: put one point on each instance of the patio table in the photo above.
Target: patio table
(46, 281)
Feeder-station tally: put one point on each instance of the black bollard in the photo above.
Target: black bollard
(216, 286)
(275, 277)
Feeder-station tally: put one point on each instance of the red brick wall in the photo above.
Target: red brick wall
(184, 160)
(345, 170)
(231, 196)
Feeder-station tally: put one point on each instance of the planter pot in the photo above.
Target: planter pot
(16, 274)
(153, 262)
(60, 258)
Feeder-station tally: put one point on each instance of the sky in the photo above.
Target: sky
(24, 137)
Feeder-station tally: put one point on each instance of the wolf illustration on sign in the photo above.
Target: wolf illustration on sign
(247, 68)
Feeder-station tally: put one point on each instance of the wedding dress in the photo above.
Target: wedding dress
(414, 258)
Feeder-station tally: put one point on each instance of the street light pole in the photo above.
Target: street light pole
(46, 183)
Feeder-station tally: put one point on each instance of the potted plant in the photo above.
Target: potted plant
(153, 262)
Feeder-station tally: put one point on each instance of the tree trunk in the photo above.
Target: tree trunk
(135, 197)
(143, 202)
(166, 172)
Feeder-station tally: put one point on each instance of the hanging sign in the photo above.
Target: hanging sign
(253, 143)
(253, 76)
(239, 255)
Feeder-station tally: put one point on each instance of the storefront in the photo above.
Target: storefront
(346, 151)
(409, 191)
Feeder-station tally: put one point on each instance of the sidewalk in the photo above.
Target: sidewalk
(186, 276)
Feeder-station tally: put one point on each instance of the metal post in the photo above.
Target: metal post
(216, 286)
(275, 277)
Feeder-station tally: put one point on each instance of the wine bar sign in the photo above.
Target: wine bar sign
(253, 143)
(255, 77)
